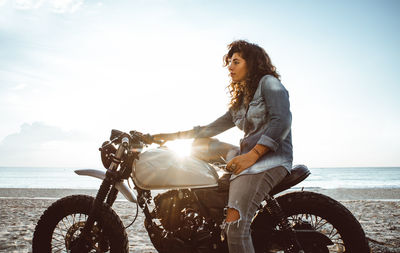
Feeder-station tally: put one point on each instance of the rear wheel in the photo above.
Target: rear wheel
(309, 210)
(61, 224)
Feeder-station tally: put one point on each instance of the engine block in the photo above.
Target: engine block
(182, 225)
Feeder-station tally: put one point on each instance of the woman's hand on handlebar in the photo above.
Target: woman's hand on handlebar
(165, 137)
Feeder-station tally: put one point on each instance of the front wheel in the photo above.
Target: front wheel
(309, 210)
(60, 226)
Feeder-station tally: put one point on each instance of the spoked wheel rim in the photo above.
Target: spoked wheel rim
(68, 230)
(323, 226)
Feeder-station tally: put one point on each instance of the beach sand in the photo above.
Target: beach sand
(378, 211)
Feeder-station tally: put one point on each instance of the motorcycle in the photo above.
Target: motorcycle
(188, 216)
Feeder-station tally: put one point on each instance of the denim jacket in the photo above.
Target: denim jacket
(267, 121)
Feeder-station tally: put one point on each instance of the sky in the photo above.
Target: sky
(72, 70)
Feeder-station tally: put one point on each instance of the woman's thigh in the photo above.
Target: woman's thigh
(246, 192)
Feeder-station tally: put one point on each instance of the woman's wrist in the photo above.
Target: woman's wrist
(259, 150)
(253, 155)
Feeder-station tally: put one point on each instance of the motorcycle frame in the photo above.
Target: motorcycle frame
(113, 181)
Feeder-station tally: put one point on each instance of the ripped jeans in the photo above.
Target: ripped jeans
(246, 192)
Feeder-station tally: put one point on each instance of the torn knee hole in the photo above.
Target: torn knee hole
(232, 215)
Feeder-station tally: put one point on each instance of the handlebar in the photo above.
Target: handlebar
(145, 138)
(133, 141)
(134, 136)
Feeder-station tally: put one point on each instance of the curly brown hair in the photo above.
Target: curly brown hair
(258, 65)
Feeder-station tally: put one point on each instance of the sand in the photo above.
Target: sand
(378, 211)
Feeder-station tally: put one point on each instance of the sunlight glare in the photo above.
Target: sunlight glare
(180, 147)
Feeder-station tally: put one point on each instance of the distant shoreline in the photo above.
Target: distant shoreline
(324, 178)
(390, 194)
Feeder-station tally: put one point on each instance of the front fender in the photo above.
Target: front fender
(122, 187)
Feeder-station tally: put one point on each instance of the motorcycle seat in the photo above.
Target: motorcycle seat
(297, 174)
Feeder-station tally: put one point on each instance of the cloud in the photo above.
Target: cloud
(3, 2)
(62, 6)
(39, 144)
(20, 86)
(27, 4)
(38, 133)
(58, 6)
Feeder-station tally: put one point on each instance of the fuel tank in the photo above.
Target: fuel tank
(163, 169)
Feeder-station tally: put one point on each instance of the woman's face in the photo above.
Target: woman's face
(237, 68)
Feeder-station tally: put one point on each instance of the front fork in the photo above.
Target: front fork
(84, 241)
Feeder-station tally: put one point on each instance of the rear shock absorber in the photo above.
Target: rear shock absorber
(291, 243)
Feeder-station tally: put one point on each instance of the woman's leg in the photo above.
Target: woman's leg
(246, 192)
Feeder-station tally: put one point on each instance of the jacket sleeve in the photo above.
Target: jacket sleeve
(277, 104)
(220, 125)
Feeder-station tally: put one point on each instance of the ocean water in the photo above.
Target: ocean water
(327, 178)
(353, 177)
(65, 178)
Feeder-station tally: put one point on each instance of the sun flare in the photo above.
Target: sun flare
(180, 147)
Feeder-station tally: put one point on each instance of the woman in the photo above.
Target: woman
(260, 107)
